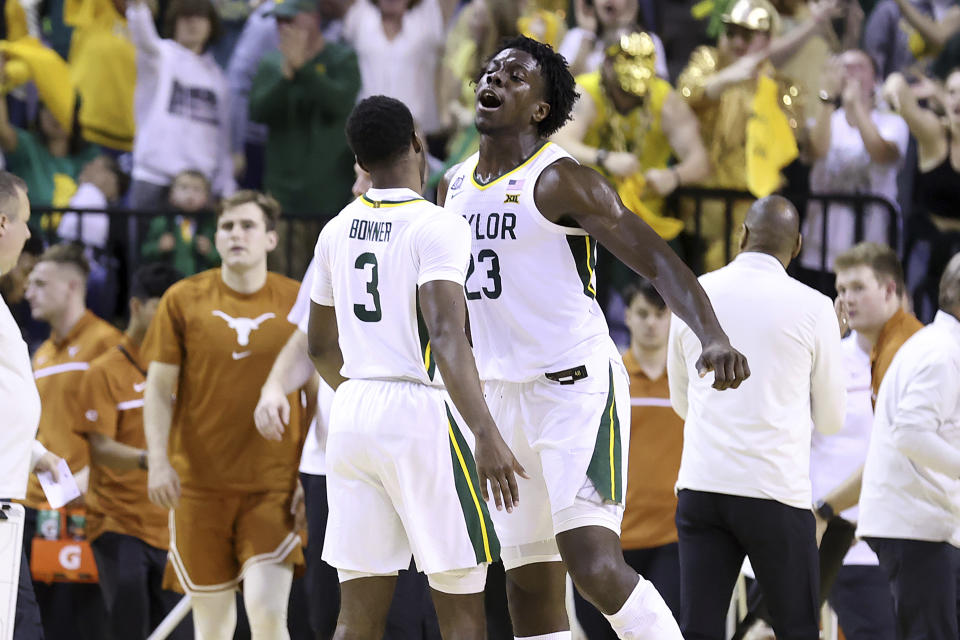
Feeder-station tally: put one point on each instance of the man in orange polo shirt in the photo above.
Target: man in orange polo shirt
(211, 343)
(128, 533)
(56, 291)
(649, 532)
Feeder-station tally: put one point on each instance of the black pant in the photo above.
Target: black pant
(411, 617)
(922, 577)
(26, 624)
(716, 532)
(861, 599)
(659, 565)
(131, 575)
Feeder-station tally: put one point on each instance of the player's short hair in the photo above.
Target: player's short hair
(269, 206)
(379, 131)
(70, 254)
(645, 288)
(560, 89)
(881, 259)
(10, 188)
(187, 9)
(152, 280)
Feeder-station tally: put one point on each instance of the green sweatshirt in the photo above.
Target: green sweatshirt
(309, 166)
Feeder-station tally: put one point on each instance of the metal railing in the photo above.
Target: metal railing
(122, 231)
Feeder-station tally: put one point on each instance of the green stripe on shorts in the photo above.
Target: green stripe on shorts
(486, 546)
(606, 468)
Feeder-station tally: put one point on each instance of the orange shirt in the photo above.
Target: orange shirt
(656, 442)
(111, 404)
(225, 343)
(895, 332)
(58, 368)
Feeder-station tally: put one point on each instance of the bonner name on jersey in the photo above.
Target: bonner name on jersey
(369, 230)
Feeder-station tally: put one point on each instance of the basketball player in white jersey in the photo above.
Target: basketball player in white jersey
(554, 381)
(387, 318)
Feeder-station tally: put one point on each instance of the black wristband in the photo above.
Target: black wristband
(142, 461)
(824, 510)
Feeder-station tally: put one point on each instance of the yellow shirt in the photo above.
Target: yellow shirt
(639, 132)
(723, 123)
(103, 64)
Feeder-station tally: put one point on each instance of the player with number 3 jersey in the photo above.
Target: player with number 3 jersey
(388, 316)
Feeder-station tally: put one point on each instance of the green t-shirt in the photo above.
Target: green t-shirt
(309, 166)
(51, 181)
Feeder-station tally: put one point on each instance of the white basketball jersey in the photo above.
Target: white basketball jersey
(531, 285)
(370, 262)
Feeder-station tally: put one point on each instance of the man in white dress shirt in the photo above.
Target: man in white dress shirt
(744, 482)
(19, 451)
(910, 500)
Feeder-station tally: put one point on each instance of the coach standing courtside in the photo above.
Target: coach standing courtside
(19, 452)
(744, 482)
(910, 501)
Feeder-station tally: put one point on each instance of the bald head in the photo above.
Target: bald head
(772, 226)
(950, 287)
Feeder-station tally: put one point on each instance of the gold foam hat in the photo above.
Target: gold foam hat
(634, 62)
(756, 15)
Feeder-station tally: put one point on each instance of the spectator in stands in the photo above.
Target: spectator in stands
(56, 289)
(935, 224)
(398, 45)
(597, 20)
(909, 507)
(182, 102)
(744, 474)
(892, 42)
(103, 65)
(720, 84)
(184, 238)
(629, 124)
(18, 395)
(649, 532)
(48, 154)
(100, 185)
(858, 149)
(260, 37)
(304, 93)
(933, 30)
(129, 535)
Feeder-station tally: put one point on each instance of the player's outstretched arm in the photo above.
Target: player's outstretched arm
(323, 344)
(445, 313)
(163, 484)
(569, 193)
(291, 370)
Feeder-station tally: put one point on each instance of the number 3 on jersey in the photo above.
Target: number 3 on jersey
(493, 287)
(362, 311)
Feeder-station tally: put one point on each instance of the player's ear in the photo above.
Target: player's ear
(541, 112)
(417, 143)
(744, 234)
(360, 164)
(796, 250)
(273, 239)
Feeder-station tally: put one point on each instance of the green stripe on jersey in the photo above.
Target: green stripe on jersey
(426, 352)
(584, 249)
(483, 537)
(606, 468)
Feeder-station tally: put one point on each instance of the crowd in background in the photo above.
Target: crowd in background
(166, 107)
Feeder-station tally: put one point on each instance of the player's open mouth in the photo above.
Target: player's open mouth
(488, 99)
(237, 249)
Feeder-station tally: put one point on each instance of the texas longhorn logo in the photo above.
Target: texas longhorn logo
(243, 326)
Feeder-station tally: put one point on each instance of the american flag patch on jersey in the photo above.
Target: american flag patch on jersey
(515, 184)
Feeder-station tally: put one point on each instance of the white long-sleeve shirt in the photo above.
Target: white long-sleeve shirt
(20, 403)
(755, 441)
(911, 481)
(181, 107)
